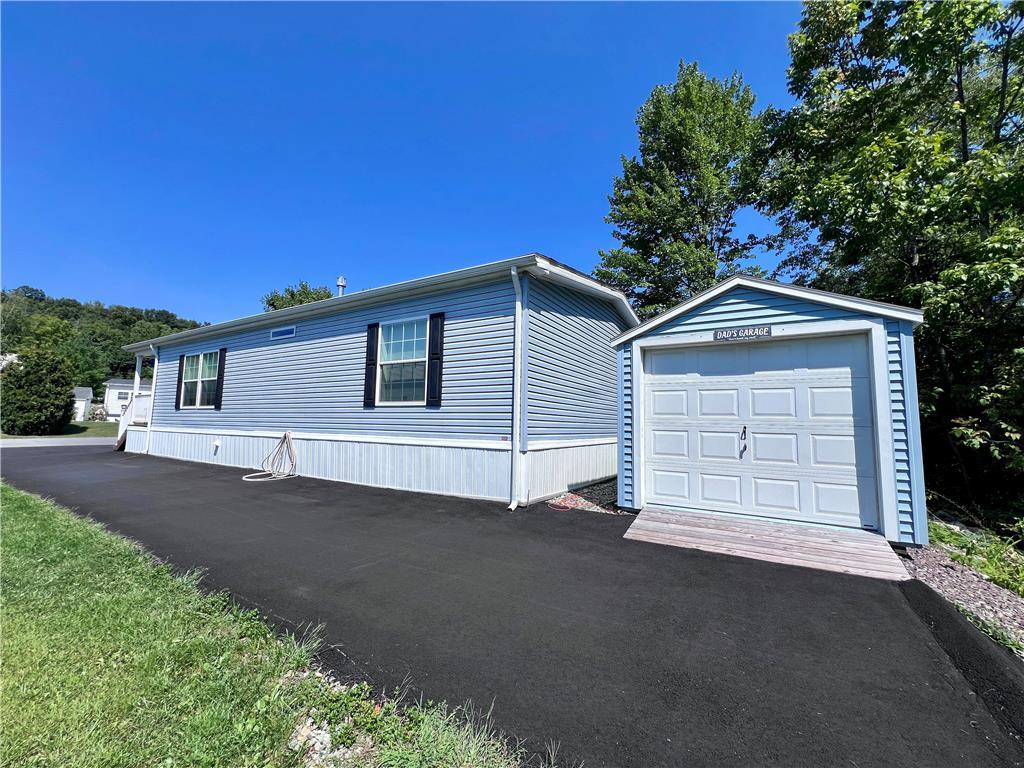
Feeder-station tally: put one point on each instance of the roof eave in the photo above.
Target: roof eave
(867, 306)
(454, 278)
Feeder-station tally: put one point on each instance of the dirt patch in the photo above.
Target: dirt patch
(599, 497)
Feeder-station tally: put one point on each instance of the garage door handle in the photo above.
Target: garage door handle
(743, 434)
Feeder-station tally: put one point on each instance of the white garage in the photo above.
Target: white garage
(775, 402)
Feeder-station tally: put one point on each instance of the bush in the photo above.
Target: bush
(36, 395)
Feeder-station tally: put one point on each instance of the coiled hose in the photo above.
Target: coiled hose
(280, 464)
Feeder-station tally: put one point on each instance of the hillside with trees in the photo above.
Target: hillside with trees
(87, 335)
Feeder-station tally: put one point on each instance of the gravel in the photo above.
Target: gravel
(967, 588)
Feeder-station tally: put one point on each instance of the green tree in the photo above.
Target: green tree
(674, 206)
(902, 160)
(294, 295)
(36, 394)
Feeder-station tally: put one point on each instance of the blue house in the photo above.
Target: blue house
(777, 402)
(494, 382)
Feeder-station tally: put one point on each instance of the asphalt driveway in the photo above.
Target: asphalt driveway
(626, 653)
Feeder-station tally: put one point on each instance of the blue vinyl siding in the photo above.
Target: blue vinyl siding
(745, 306)
(570, 367)
(626, 439)
(906, 436)
(313, 382)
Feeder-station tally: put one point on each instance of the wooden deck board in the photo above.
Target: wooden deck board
(851, 551)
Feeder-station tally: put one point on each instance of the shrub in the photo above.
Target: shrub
(36, 395)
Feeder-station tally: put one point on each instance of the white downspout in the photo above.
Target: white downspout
(152, 395)
(517, 373)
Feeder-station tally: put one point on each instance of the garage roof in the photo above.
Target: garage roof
(867, 306)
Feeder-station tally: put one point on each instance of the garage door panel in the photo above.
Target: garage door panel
(834, 451)
(721, 446)
(804, 409)
(775, 448)
(668, 403)
(777, 402)
(670, 485)
(720, 489)
(775, 494)
(718, 402)
(670, 443)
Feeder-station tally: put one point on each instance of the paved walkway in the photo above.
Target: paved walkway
(626, 653)
(56, 442)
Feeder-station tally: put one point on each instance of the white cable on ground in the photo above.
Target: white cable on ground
(280, 464)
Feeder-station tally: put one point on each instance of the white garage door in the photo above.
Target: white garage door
(778, 429)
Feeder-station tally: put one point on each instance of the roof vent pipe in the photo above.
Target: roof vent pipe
(341, 285)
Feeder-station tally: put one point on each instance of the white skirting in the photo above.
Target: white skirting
(453, 470)
(136, 440)
(473, 469)
(550, 471)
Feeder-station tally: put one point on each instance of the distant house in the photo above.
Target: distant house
(119, 394)
(83, 401)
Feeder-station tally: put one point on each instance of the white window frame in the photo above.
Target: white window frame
(283, 335)
(199, 383)
(425, 360)
(123, 392)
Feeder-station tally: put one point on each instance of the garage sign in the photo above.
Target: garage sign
(747, 332)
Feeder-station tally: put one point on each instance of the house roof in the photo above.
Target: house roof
(531, 263)
(867, 306)
(146, 383)
(83, 393)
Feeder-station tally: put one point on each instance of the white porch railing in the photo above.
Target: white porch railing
(135, 413)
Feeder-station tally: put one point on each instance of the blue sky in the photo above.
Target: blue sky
(194, 156)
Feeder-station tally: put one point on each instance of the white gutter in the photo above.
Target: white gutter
(517, 373)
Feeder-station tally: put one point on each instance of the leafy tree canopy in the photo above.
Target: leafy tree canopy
(674, 206)
(89, 335)
(902, 164)
(36, 394)
(294, 295)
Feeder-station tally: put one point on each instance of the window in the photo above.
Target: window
(282, 333)
(199, 380)
(402, 372)
(122, 395)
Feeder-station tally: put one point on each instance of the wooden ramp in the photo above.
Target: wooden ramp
(845, 550)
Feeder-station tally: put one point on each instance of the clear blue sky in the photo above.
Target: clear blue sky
(194, 156)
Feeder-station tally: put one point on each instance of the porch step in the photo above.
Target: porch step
(841, 550)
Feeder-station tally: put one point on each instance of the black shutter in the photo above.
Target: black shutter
(220, 377)
(435, 359)
(181, 375)
(370, 376)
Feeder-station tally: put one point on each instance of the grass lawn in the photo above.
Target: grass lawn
(998, 557)
(78, 429)
(109, 659)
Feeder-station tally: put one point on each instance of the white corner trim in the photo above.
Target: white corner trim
(852, 303)
(516, 470)
(548, 445)
(489, 445)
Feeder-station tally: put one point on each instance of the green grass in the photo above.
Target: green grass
(994, 630)
(108, 659)
(78, 429)
(998, 557)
